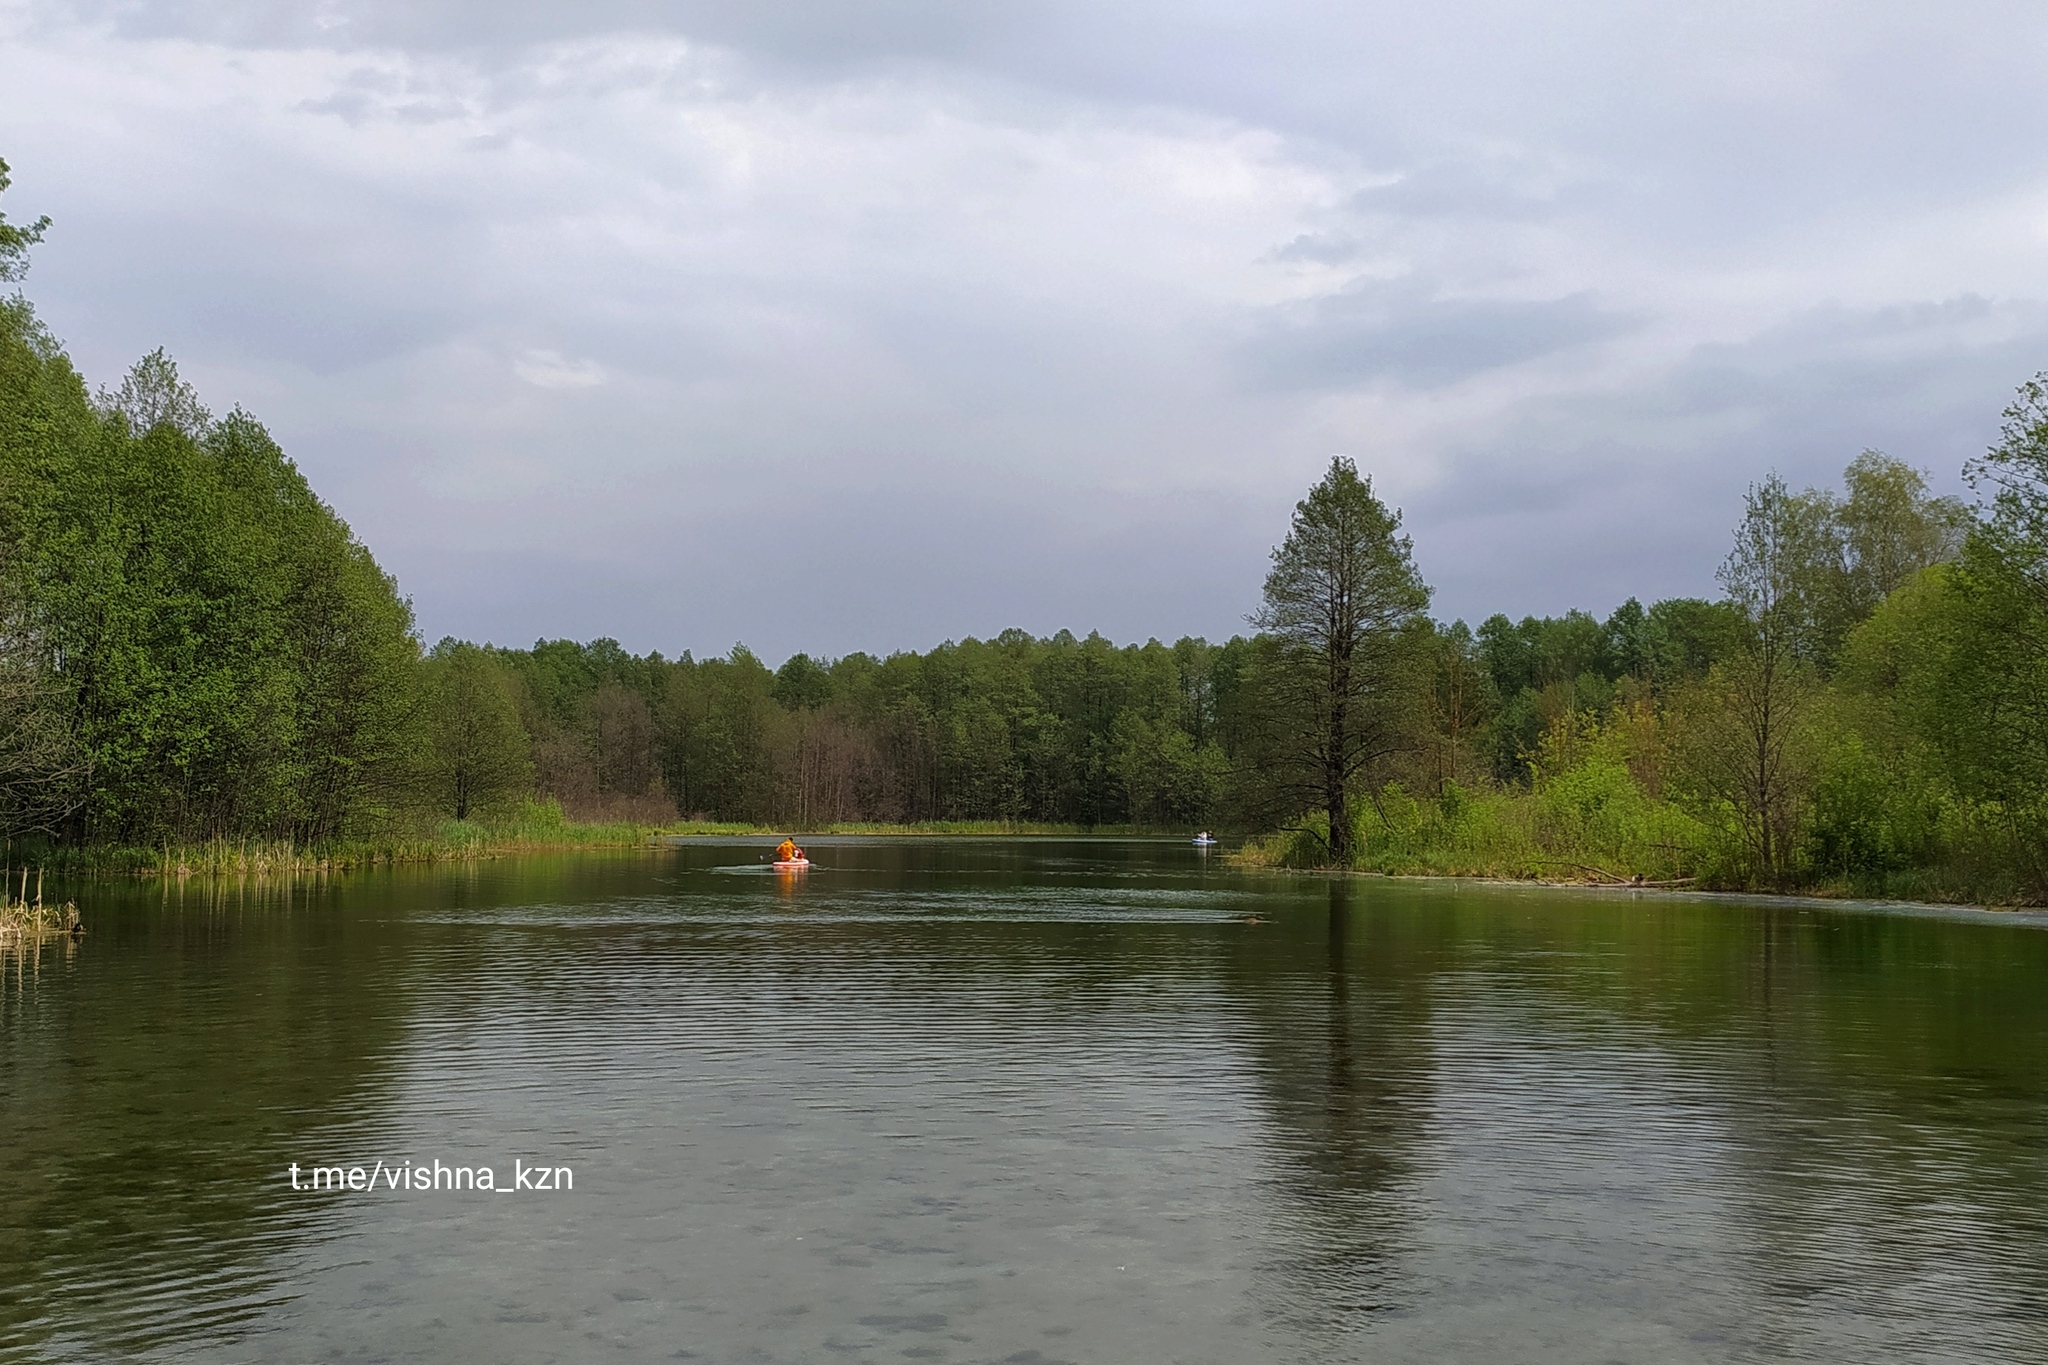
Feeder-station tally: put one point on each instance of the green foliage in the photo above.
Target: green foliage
(1686, 636)
(2016, 472)
(801, 684)
(225, 657)
(1340, 679)
(1587, 817)
(17, 238)
(1891, 529)
(1167, 779)
(1863, 824)
(1950, 675)
(152, 395)
(1543, 652)
(1864, 713)
(1809, 566)
(477, 753)
(1544, 669)
(1055, 732)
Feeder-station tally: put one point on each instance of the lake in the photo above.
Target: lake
(1028, 1101)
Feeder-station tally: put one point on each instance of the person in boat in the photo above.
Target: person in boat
(787, 851)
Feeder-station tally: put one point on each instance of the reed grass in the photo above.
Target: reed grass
(25, 915)
(530, 827)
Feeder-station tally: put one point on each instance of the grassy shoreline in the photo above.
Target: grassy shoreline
(462, 841)
(1512, 851)
(1822, 892)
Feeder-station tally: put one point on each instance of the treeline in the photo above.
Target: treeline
(1082, 731)
(1059, 730)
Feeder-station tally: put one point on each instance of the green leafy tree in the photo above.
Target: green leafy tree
(1911, 695)
(17, 238)
(218, 652)
(1892, 528)
(1748, 738)
(802, 683)
(623, 737)
(2015, 472)
(716, 719)
(1167, 778)
(343, 641)
(235, 662)
(477, 751)
(1338, 602)
(41, 769)
(1460, 702)
(1842, 554)
(1976, 675)
(1630, 646)
(160, 580)
(1545, 670)
(153, 395)
(1687, 636)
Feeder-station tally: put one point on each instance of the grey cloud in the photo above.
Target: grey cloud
(1478, 185)
(301, 302)
(275, 323)
(1924, 381)
(1399, 332)
(871, 570)
(357, 107)
(1320, 248)
(1717, 131)
(1636, 492)
(795, 30)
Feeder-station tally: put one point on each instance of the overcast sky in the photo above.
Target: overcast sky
(843, 324)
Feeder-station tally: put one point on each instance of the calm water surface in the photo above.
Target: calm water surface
(1024, 1101)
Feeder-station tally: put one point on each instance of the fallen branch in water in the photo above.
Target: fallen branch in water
(1615, 878)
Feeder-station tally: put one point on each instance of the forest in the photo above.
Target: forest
(194, 648)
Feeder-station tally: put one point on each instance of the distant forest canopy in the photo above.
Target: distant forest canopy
(1052, 729)
(193, 646)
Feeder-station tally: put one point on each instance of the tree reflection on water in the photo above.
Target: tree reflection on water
(1342, 1050)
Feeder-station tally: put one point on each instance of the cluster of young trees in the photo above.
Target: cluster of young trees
(191, 642)
(1867, 705)
(1945, 691)
(193, 645)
